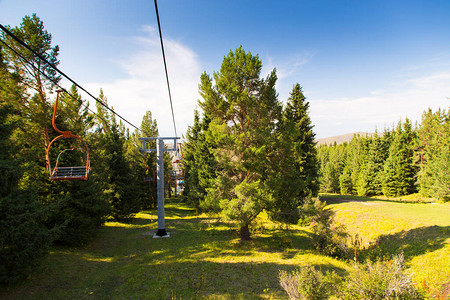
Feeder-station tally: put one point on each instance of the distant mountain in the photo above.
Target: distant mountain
(339, 139)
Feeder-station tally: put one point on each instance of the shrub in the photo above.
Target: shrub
(380, 280)
(308, 284)
(75, 210)
(328, 238)
(24, 240)
(372, 280)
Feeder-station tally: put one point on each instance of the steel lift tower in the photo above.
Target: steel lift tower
(161, 233)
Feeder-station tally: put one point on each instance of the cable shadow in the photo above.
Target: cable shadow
(337, 199)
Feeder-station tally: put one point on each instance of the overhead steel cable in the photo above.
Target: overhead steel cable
(165, 67)
(22, 43)
(48, 77)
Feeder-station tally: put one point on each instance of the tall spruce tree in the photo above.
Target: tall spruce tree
(24, 240)
(399, 172)
(332, 159)
(114, 172)
(299, 134)
(349, 176)
(190, 163)
(243, 109)
(433, 154)
(298, 170)
(371, 178)
(197, 161)
(144, 165)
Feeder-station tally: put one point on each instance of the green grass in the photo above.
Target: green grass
(420, 230)
(204, 259)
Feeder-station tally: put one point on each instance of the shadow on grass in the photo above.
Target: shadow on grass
(412, 242)
(336, 199)
(277, 241)
(142, 221)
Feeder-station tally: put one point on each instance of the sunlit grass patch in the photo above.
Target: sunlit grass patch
(419, 230)
(373, 218)
(432, 269)
(409, 198)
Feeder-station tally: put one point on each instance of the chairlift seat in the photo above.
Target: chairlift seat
(68, 173)
(148, 179)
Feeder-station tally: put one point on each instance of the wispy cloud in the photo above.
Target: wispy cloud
(287, 65)
(381, 108)
(144, 85)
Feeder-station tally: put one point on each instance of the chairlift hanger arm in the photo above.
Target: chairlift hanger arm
(66, 134)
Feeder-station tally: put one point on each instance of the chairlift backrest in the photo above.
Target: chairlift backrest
(66, 172)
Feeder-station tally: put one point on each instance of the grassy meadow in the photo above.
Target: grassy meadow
(204, 259)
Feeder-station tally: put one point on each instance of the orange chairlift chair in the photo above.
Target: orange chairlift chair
(59, 172)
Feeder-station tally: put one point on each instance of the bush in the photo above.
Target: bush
(308, 284)
(24, 240)
(328, 238)
(75, 210)
(374, 281)
(380, 280)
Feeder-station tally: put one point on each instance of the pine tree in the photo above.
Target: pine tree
(243, 109)
(37, 108)
(302, 139)
(70, 214)
(347, 184)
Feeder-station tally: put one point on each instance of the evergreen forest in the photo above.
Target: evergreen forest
(400, 161)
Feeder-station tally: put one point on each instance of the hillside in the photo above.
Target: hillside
(339, 139)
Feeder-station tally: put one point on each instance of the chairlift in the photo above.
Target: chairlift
(177, 167)
(63, 172)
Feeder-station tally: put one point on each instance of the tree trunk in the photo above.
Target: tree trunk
(245, 233)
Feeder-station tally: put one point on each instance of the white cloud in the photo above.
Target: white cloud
(382, 108)
(144, 87)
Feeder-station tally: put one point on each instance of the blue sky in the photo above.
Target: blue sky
(363, 65)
